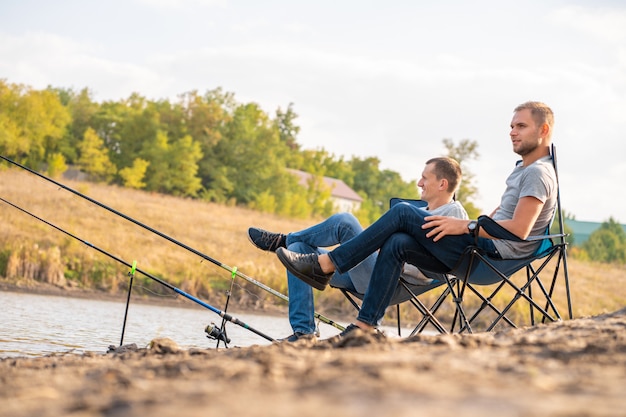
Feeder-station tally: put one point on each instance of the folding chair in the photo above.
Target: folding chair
(409, 289)
(476, 269)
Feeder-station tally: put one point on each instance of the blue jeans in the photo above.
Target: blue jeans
(399, 235)
(337, 229)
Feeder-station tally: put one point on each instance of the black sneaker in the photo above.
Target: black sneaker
(298, 336)
(265, 240)
(304, 266)
(353, 330)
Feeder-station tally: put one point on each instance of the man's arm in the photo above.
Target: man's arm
(526, 214)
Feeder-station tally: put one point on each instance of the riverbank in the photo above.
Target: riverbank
(40, 288)
(573, 368)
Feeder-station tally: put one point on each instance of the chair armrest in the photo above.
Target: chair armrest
(494, 229)
(499, 232)
(543, 237)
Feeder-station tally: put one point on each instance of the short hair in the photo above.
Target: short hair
(540, 113)
(449, 169)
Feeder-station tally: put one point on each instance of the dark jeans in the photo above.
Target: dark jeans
(400, 237)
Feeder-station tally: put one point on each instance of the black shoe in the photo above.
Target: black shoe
(265, 240)
(352, 330)
(304, 266)
(298, 336)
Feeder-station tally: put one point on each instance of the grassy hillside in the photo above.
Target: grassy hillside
(33, 251)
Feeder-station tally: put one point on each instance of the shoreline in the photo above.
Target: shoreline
(38, 288)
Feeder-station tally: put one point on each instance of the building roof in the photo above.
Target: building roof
(582, 230)
(339, 189)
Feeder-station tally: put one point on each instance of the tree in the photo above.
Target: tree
(249, 159)
(465, 151)
(127, 126)
(555, 227)
(366, 179)
(94, 157)
(378, 187)
(32, 122)
(157, 152)
(183, 167)
(173, 165)
(133, 176)
(56, 165)
(13, 143)
(138, 126)
(82, 111)
(288, 131)
(206, 118)
(608, 243)
(318, 196)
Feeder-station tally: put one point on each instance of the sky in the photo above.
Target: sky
(386, 79)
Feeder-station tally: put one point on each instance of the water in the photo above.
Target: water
(36, 325)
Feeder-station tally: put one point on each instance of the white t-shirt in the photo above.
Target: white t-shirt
(452, 209)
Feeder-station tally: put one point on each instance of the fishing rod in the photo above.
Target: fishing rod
(215, 332)
(234, 271)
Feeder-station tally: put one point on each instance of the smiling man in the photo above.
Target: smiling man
(434, 242)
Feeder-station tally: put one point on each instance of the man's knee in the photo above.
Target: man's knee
(300, 247)
(406, 209)
(399, 243)
(348, 220)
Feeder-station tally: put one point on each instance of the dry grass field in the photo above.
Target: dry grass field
(31, 250)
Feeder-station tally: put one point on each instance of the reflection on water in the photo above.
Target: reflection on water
(35, 325)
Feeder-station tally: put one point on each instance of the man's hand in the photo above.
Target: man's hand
(442, 226)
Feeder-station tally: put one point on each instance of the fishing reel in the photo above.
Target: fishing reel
(214, 332)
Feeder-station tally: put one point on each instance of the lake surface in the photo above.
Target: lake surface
(36, 325)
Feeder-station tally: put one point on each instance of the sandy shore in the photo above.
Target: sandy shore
(571, 368)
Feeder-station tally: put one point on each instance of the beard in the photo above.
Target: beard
(526, 148)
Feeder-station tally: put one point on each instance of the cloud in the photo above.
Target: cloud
(43, 59)
(603, 23)
(181, 4)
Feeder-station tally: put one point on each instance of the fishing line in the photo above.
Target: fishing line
(222, 314)
(174, 241)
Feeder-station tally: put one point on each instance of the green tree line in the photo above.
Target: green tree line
(607, 244)
(207, 146)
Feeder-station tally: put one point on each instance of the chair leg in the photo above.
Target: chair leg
(562, 258)
(531, 311)
(398, 313)
(349, 297)
(548, 295)
(486, 302)
(521, 293)
(567, 290)
(426, 313)
(457, 298)
(433, 310)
